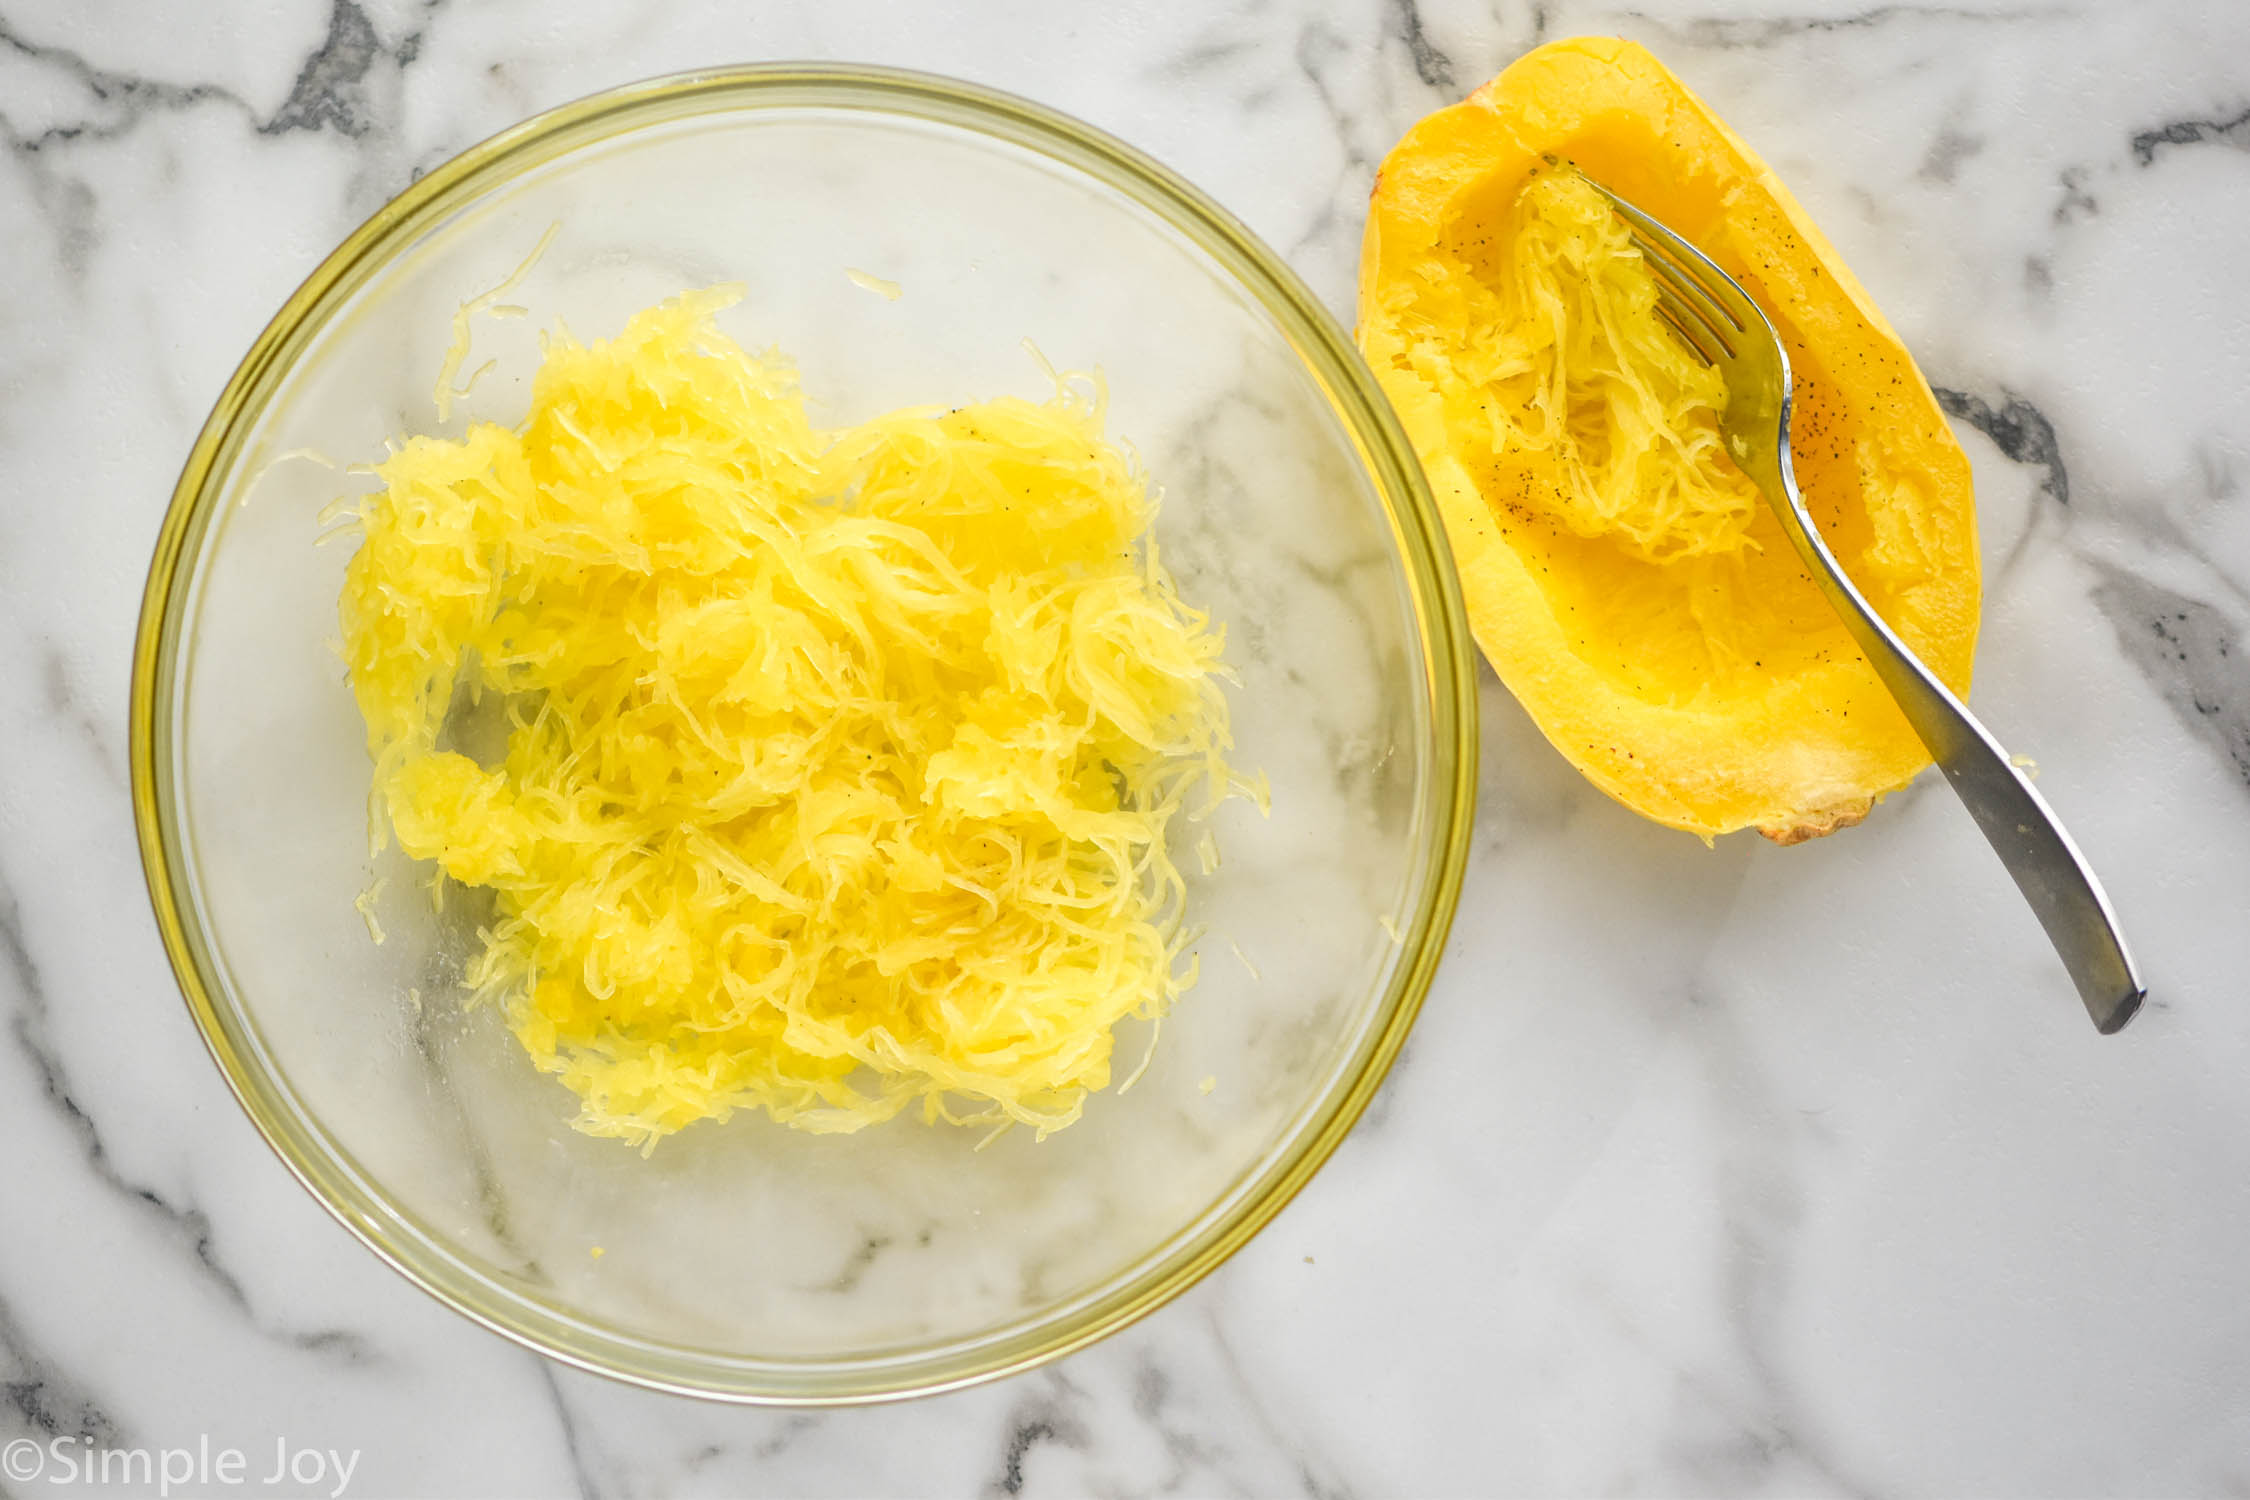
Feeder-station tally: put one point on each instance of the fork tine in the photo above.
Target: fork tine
(1687, 328)
(1711, 300)
(1721, 304)
(1681, 284)
(1690, 311)
(1692, 264)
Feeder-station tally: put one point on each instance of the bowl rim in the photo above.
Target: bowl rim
(351, 1196)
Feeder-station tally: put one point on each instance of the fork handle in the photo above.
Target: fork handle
(2016, 820)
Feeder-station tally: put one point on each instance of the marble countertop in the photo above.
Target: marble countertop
(1735, 1170)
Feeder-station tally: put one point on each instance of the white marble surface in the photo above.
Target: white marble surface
(1736, 1171)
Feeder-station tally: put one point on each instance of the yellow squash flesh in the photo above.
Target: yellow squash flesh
(1626, 582)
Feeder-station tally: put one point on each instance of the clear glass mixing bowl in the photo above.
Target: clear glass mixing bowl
(745, 1260)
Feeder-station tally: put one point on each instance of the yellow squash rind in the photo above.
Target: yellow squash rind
(1805, 749)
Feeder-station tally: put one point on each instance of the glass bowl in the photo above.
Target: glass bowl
(745, 1260)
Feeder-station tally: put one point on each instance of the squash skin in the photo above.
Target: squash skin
(1809, 748)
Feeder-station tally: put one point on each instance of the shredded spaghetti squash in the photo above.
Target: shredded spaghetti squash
(1545, 343)
(839, 766)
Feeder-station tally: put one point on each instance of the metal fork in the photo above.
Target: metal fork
(1712, 315)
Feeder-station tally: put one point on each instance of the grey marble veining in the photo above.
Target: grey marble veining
(1725, 1171)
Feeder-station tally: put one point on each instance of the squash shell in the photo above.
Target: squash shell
(1811, 749)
